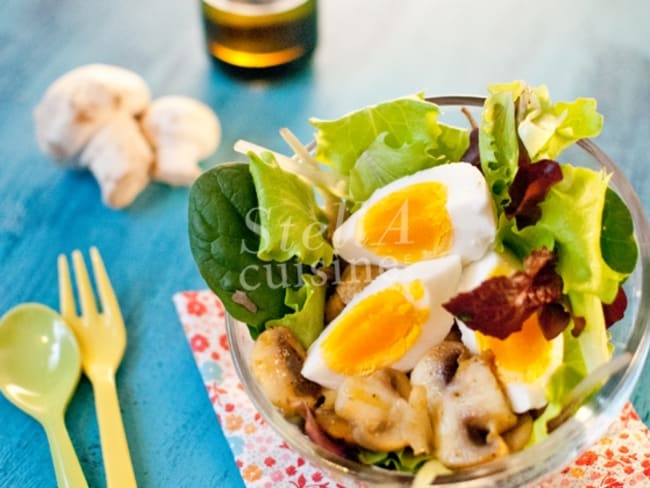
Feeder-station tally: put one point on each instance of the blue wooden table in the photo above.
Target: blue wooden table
(369, 51)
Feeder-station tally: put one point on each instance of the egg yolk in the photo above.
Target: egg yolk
(526, 351)
(375, 333)
(410, 224)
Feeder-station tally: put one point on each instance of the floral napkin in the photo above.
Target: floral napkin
(620, 459)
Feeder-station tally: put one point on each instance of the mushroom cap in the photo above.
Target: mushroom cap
(183, 131)
(80, 102)
(175, 118)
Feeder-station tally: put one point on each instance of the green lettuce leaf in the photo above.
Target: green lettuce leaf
(514, 88)
(308, 305)
(339, 143)
(401, 460)
(498, 145)
(570, 373)
(576, 234)
(224, 244)
(562, 382)
(593, 340)
(515, 110)
(291, 222)
(449, 144)
(380, 143)
(380, 164)
(522, 242)
(546, 129)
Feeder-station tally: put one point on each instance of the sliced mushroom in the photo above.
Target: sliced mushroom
(467, 405)
(332, 423)
(355, 277)
(436, 369)
(384, 412)
(518, 436)
(276, 360)
(484, 402)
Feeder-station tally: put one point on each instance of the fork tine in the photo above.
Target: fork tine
(86, 298)
(66, 297)
(107, 297)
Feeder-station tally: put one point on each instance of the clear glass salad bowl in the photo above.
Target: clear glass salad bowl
(630, 337)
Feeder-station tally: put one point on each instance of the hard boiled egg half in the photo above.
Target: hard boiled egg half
(525, 360)
(390, 323)
(435, 212)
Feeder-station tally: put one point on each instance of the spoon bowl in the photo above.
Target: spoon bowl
(40, 365)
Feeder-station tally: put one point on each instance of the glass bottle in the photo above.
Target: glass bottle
(260, 36)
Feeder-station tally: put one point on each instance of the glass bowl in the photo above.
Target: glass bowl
(591, 420)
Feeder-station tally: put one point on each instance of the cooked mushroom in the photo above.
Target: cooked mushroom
(332, 423)
(517, 437)
(276, 361)
(183, 131)
(355, 277)
(468, 408)
(120, 159)
(80, 102)
(384, 412)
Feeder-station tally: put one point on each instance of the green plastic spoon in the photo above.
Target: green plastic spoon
(40, 365)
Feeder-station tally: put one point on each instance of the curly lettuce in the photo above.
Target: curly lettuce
(546, 128)
(380, 143)
(307, 303)
(292, 225)
(498, 145)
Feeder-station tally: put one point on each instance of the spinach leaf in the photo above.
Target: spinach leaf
(617, 241)
(224, 238)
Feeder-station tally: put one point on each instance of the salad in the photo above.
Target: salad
(421, 293)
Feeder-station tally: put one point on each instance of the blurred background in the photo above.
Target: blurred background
(368, 51)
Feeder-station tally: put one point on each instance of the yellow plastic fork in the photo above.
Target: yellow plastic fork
(102, 340)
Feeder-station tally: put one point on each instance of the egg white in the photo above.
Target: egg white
(523, 394)
(469, 204)
(440, 279)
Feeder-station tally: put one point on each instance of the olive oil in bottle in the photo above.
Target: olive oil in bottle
(260, 36)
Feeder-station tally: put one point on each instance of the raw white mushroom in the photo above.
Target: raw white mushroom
(80, 102)
(183, 131)
(120, 159)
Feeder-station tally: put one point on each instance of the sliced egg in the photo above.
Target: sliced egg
(525, 360)
(391, 323)
(429, 214)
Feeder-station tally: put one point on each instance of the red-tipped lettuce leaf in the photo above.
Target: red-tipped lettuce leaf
(529, 189)
(553, 318)
(500, 305)
(614, 311)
